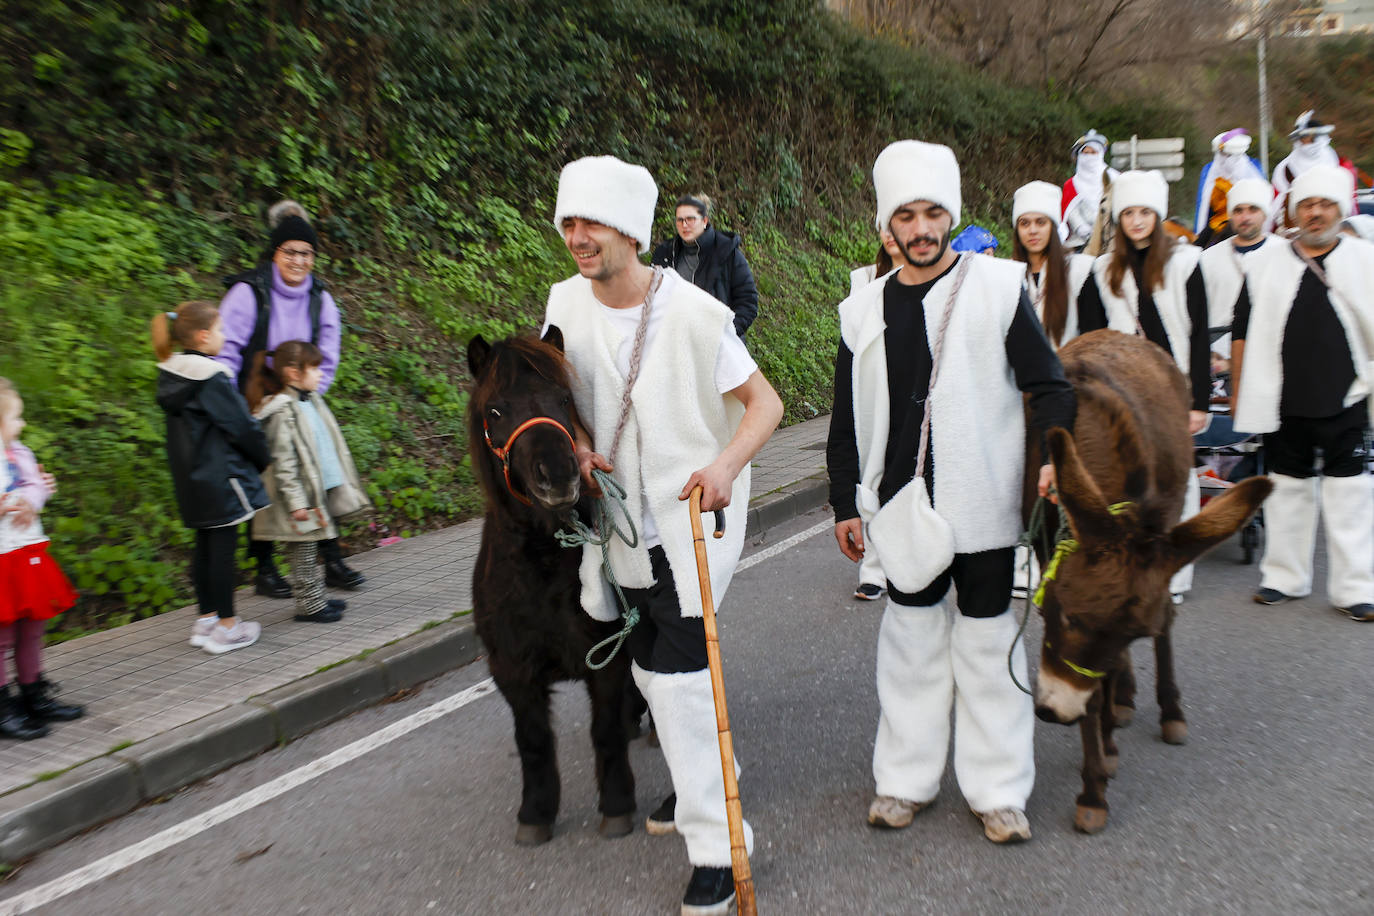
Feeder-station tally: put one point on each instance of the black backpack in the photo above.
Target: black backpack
(259, 279)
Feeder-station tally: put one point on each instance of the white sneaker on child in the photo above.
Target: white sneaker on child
(201, 630)
(227, 639)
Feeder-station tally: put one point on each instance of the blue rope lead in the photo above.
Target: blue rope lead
(605, 524)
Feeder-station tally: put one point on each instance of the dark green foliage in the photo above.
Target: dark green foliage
(141, 142)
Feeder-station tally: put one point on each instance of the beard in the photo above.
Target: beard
(942, 245)
(1319, 238)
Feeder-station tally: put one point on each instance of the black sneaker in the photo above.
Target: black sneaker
(325, 614)
(1361, 612)
(1271, 596)
(339, 575)
(661, 822)
(337, 604)
(710, 892)
(867, 592)
(270, 584)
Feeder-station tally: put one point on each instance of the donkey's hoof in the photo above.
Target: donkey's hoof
(1109, 764)
(533, 834)
(615, 826)
(1122, 715)
(652, 740)
(1089, 820)
(1175, 731)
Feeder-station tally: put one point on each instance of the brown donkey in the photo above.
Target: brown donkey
(1121, 482)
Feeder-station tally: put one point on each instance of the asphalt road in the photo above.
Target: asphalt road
(1265, 810)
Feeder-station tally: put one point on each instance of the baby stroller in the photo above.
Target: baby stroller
(1223, 457)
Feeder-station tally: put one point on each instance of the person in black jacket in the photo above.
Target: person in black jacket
(216, 451)
(710, 259)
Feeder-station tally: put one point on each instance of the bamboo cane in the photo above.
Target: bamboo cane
(734, 813)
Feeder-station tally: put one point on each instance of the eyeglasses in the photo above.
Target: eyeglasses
(296, 254)
(686, 220)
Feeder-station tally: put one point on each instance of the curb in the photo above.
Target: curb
(44, 814)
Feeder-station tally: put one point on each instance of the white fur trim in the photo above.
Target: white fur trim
(860, 277)
(193, 366)
(910, 170)
(1272, 276)
(1253, 191)
(1139, 188)
(915, 693)
(684, 714)
(977, 416)
(1222, 276)
(1181, 583)
(1037, 197)
(1330, 182)
(1290, 535)
(611, 192)
(1171, 300)
(1347, 507)
(691, 423)
(994, 722)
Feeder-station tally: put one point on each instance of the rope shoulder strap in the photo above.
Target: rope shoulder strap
(960, 273)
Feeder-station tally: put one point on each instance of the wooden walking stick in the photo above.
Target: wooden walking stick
(734, 813)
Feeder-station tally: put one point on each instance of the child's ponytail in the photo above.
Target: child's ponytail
(181, 326)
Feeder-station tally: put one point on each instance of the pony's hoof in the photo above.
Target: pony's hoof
(1122, 715)
(613, 827)
(1089, 820)
(533, 834)
(1109, 764)
(1175, 731)
(652, 740)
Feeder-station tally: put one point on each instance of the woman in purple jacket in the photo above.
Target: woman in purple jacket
(281, 299)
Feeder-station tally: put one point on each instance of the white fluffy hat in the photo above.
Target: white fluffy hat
(1036, 197)
(910, 170)
(1139, 188)
(605, 190)
(1253, 191)
(1331, 182)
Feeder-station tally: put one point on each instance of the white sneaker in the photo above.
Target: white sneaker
(201, 630)
(226, 639)
(1005, 825)
(893, 813)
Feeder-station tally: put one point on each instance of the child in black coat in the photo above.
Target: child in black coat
(216, 451)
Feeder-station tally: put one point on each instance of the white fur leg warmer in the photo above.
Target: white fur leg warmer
(871, 570)
(1182, 582)
(915, 692)
(1290, 535)
(1348, 515)
(685, 715)
(994, 722)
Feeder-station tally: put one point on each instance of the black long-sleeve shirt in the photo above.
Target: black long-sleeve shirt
(1033, 363)
(1092, 316)
(1318, 369)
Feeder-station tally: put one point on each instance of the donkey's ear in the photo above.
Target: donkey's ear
(1078, 492)
(478, 353)
(1221, 518)
(554, 337)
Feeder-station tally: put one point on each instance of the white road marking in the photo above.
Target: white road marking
(103, 868)
(769, 553)
(132, 855)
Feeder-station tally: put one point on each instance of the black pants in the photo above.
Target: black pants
(664, 641)
(214, 570)
(1292, 450)
(982, 579)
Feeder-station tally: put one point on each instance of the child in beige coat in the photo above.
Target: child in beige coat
(312, 481)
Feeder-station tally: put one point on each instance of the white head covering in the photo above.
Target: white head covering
(910, 170)
(1138, 188)
(1036, 197)
(1253, 191)
(605, 190)
(1331, 182)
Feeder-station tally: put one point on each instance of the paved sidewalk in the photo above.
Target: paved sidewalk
(143, 680)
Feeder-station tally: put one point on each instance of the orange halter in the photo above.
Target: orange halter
(503, 452)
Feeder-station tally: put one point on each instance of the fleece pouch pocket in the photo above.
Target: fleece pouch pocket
(914, 544)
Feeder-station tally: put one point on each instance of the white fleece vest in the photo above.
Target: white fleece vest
(1272, 276)
(1221, 275)
(1171, 301)
(977, 424)
(1078, 268)
(678, 423)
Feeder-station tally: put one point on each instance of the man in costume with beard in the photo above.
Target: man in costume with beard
(1083, 192)
(1311, 147)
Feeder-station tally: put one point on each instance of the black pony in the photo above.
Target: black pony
(525, 587)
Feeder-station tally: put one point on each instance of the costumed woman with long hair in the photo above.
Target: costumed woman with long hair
(1054, 275)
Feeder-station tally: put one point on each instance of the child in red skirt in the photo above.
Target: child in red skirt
(32, 586)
